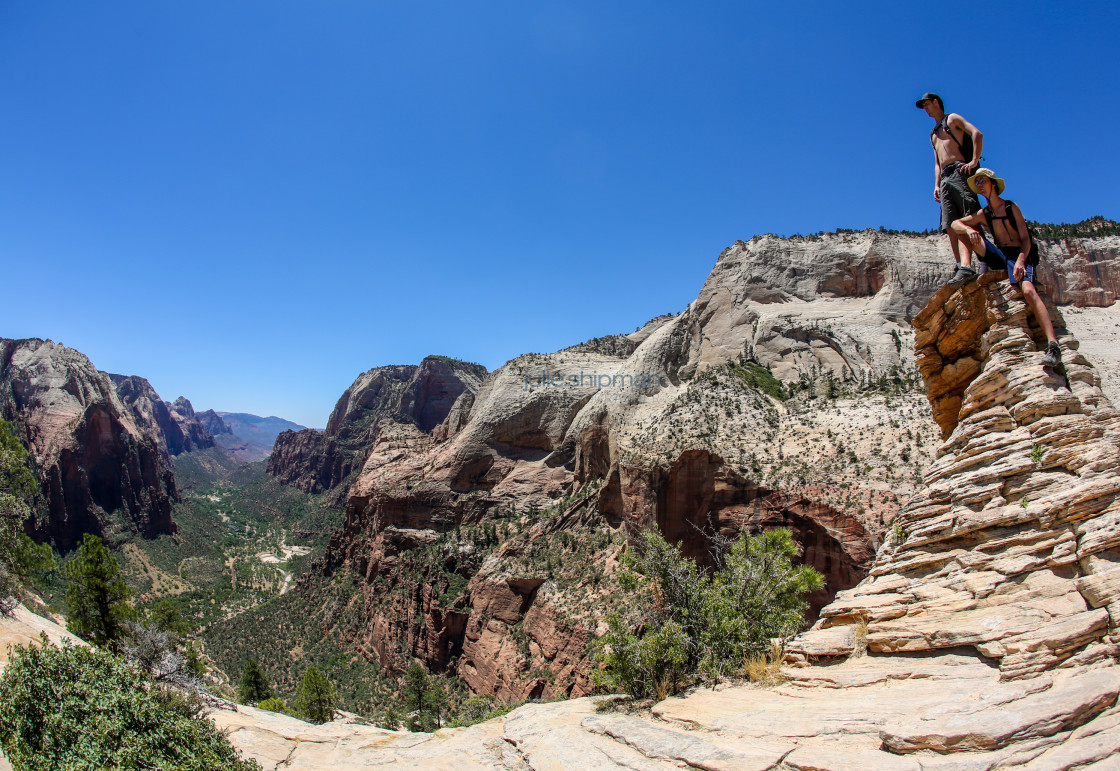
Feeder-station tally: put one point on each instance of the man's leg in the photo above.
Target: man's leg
(1038, 308)
(957, 201)
(962, 249)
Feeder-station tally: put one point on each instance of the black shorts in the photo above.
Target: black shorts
(957, 200)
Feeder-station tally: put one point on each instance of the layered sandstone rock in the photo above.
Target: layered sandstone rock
(92, 455)
(1011, 548)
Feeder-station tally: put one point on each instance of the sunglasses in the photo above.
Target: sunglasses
(982, 180)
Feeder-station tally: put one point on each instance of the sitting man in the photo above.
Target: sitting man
(1014, 250)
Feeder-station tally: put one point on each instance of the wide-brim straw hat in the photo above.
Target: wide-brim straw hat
(1000, 184)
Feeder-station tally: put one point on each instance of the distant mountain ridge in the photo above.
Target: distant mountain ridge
(248, 437)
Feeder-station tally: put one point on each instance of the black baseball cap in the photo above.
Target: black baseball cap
(926, 97)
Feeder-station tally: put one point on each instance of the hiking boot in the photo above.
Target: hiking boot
(1053, 357)
(962, 274)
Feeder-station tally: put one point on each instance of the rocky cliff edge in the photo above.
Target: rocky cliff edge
(984, 637)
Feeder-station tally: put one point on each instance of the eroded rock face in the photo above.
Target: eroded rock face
(422, 395)
(1013, 546)
(171, 425)
(92, 455)
(689, 443)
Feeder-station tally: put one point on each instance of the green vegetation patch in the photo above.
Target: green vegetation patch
(757, 376)
(83, 708)
(693, 625)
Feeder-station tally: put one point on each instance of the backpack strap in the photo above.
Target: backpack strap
(1032, 242)
(988, 217)
(948, 130)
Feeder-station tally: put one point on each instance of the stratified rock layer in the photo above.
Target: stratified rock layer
(1011, 548)
(92, 456)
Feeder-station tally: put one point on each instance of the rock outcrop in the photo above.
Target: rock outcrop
(682, 425)
(1012, 547)
(172, 425)
(423, 396)
(93, 457)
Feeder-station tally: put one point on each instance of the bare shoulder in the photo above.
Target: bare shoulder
(955, 119)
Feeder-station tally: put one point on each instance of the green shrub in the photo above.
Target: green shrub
(698, 625)
(274, 705)
(83, 708)
(757, 376)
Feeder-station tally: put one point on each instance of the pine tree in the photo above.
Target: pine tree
(416, 684)
(254, 687)
(96, 596)
(315, 697)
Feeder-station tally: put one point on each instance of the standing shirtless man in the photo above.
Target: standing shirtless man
(950, 170)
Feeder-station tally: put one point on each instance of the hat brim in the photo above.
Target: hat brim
(1000, 184)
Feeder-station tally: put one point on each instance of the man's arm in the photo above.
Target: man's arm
(956, 121)
(1024, 241)
(969, 227)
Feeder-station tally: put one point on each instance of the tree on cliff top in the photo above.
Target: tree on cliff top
(254, 687)
(96, 595)
(316, 697)
(692, 624)
(427, 697)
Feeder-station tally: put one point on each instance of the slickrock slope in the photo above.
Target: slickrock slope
(678, 425)
(92, 456)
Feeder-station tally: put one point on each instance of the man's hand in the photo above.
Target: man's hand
(1020, 267)
(976, 238)
(937, 193)
(968, 168)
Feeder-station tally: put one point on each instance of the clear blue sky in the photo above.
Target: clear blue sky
(250, 203)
